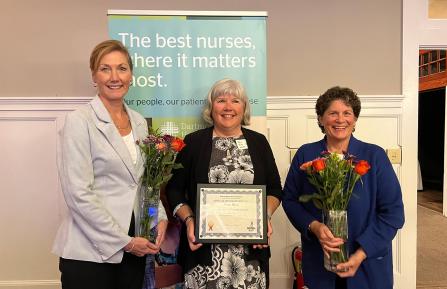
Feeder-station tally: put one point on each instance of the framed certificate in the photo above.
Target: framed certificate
(231, 213)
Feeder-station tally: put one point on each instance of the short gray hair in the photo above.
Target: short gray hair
(226, 86)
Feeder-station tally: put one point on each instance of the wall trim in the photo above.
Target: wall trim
(286, 112)
(300, 102)
(21, 283)
(273, 102)
(41, 103)
(313, 98)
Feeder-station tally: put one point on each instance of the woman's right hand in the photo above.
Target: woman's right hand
(139, 246)
(328, 242)
(190, 235)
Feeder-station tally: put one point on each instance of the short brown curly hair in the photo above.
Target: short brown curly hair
(347, 95)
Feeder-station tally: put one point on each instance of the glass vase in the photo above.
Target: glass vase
(337, 222)
(149, 198)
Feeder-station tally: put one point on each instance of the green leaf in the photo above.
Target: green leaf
(307, 198)
(318, 203)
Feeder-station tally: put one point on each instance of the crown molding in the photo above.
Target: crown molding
(308, 101)
(42, 103)
(273, 102)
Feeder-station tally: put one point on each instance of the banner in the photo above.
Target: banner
(177, 57)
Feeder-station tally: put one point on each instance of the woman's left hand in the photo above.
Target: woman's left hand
(269, 234)
(349, 268)
(161, 231)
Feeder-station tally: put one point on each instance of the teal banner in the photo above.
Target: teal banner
(178, 58)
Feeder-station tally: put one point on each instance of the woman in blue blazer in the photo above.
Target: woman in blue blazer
(375, 212)
(99, 169)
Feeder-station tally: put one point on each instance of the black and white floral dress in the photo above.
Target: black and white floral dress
(230, 163)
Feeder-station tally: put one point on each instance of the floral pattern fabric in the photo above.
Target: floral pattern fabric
(230, 163)
(229, 270)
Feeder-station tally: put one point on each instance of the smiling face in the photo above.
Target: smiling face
(227, 114)
(113, 76)
(338, 121)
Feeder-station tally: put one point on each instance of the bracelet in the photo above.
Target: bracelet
(187, 218)
(308, 227)
(131, 248)
(174, 212)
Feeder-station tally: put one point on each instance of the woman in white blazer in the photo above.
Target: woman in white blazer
(99, 169)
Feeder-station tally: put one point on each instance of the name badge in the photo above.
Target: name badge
(241, 144)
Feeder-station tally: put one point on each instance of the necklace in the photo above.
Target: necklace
(127, 125)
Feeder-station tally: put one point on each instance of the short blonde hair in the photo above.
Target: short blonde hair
(105, 48)
(226, 86)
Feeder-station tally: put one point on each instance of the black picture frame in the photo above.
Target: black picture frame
(231, 213)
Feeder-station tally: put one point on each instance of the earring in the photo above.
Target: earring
(353, 129)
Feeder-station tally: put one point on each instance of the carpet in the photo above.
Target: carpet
(431, 199)
(431, 249)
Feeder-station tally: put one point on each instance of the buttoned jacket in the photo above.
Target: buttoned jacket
(375, 213)
(99, 183)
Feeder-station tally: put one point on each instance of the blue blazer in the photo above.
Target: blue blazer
(99, 182)
(375, 213)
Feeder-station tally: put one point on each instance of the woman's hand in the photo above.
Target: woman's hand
(349, 268)
(328, 242)
(161, 231)
(269, 234)
(190, 235)
(140, 246)
(272, 205)
(185, 213)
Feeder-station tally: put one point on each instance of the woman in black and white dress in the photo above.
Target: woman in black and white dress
(226, 152)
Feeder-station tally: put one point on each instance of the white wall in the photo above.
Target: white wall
(31, 202)
(32, 210)
(292, 122)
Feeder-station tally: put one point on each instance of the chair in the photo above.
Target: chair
(168, 275)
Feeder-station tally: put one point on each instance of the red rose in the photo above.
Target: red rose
(362, 167)
(177, 144)
(318, 164)
(305, 165)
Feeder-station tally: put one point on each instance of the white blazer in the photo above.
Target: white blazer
(99, 182)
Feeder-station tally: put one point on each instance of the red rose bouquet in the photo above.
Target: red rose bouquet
(334, 177)
(160, 152)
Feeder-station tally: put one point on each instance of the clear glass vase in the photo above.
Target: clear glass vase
(148, 212)
(337, 222)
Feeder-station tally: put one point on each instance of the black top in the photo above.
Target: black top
(195, 158)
